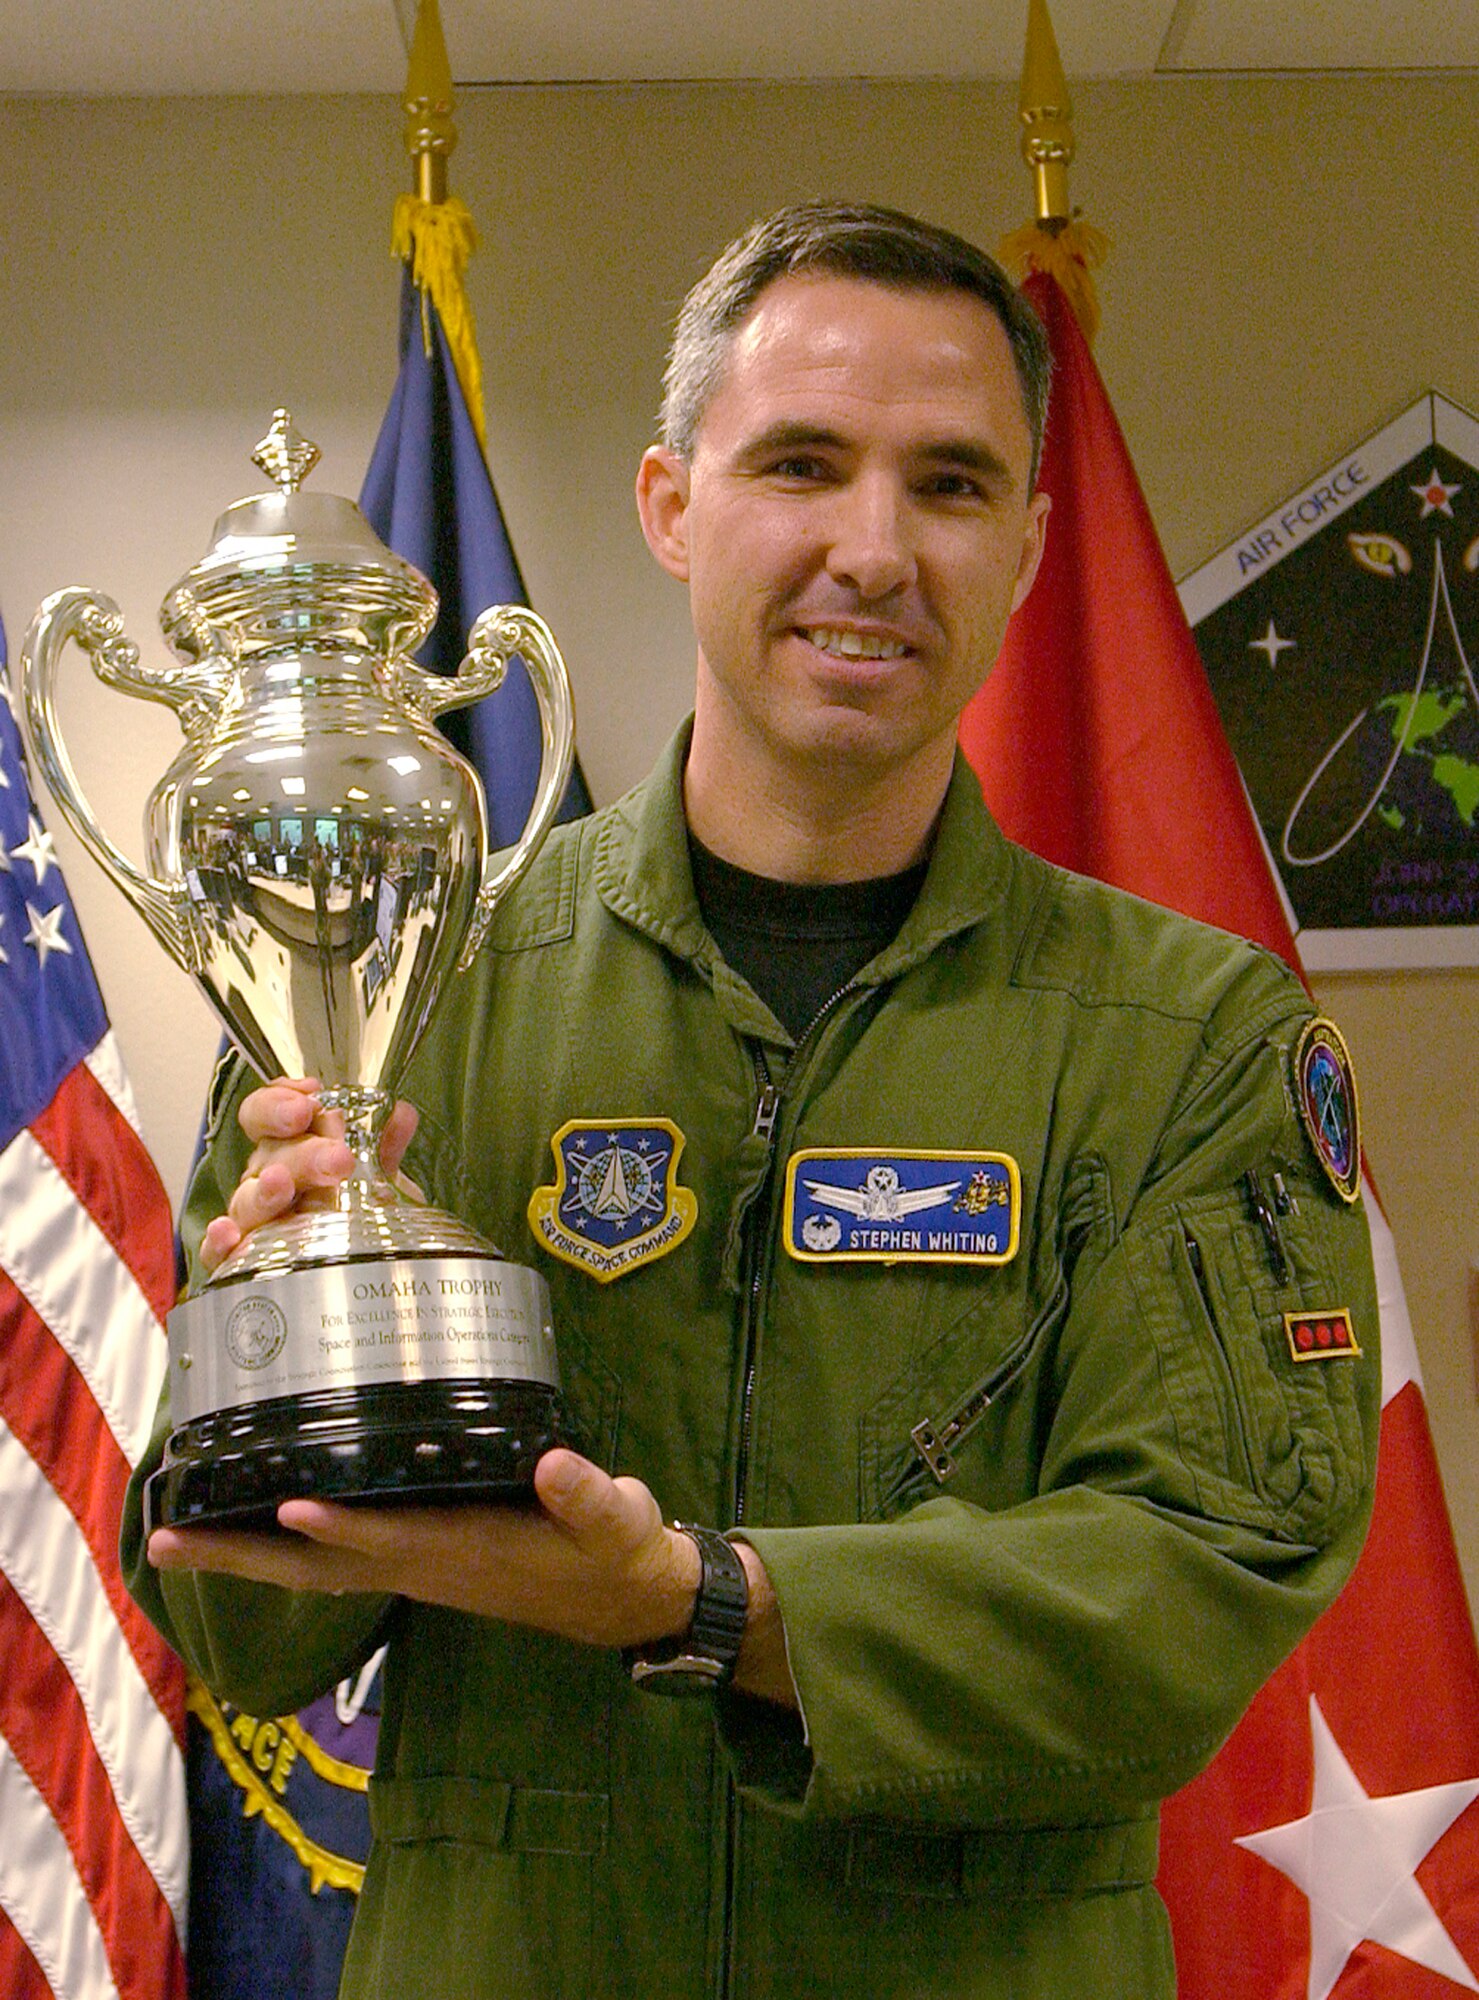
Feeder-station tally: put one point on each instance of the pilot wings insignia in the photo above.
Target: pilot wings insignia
(881, 1198)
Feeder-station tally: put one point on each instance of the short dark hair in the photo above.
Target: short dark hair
(848, 240)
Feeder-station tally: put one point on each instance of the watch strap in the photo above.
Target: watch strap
(703, 1658)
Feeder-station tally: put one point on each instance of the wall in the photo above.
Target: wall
(1282, 281)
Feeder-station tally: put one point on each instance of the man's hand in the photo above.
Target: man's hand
(297, 1148)
(591, 1562)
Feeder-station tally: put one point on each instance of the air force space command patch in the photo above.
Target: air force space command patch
(857, 1205)
(615, 1203)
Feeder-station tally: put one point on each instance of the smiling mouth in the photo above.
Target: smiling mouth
(854, 645)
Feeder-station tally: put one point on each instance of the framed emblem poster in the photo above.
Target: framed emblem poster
(1341, 639)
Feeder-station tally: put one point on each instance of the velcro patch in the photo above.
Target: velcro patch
(1325, 1092)
(615, 1203)
(857, 1205)
(1321, 1336)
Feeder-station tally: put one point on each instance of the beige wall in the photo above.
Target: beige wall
(1293, 264)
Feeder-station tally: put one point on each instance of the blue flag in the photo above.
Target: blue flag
(428, 495)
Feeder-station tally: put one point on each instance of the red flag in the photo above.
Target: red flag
(92, 1723)
(1333, 1847)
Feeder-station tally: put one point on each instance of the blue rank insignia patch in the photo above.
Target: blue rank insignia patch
(855, 1205)
(1325, 1092)
(615, 1203)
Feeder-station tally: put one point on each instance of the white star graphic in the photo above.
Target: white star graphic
(38, 850)
(1354, 1857)
(4, 954)
(1435, 496)
(4, 850)
(1271, 644)
(45, 933)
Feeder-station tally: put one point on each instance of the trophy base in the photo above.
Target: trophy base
(434, 1443)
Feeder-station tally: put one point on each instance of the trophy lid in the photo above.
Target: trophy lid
(306, 568)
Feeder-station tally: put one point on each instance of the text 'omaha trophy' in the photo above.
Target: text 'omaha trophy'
(317, 858)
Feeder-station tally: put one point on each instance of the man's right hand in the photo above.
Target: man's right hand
(297, 1146)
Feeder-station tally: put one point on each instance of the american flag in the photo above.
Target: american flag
(93, 1843)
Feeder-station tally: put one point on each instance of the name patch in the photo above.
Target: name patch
(615, 1203)
(857, 1205)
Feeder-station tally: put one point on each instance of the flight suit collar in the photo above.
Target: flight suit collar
(644, 877)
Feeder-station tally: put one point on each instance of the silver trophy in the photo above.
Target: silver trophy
(317, 859)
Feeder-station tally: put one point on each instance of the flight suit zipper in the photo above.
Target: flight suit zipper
(767, 1111)
(768, 1101)
(767, 1115)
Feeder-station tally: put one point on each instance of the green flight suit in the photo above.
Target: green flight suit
(1004, 1662)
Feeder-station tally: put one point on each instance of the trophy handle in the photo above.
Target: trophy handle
(96, 624)
(501, 630)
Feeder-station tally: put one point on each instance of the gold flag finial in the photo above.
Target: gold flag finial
(1045, 111)
(430, 133)
(1058, 243)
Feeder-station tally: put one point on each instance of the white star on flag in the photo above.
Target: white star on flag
(38, 850)
(1435, 496)
(1271, 644)
(1355, 1858)
(46, 931)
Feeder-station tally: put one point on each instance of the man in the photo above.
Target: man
(998, 1207)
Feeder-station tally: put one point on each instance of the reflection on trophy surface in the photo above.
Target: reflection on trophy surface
(317, 858)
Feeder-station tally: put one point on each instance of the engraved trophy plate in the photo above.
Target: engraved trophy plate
(317, 859)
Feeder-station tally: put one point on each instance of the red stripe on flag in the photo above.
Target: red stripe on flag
(42, 1718)
(53, 1413)
(21, 1978)
(102, 1159)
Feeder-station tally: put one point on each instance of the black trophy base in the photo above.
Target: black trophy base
(398, 1444)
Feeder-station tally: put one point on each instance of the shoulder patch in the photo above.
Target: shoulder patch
(615, 1202)
(853, 1204)
(1325, 1093)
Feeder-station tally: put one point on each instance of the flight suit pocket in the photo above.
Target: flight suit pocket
(503, 1872)
(1269, 1441)
(917, 1439)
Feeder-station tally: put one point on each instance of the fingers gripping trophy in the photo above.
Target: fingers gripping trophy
(318, 861)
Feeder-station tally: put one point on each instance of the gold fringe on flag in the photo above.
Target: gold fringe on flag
(436, 238)
(1069, 252)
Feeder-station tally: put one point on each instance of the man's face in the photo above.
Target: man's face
(854, 526)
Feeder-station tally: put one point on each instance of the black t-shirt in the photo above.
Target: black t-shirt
(799, 943)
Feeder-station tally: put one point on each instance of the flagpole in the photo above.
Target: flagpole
(1058, 243)
(431, 136)
(431, 230)
(1046, 112)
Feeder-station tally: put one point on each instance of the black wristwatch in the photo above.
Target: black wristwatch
(702, 1660)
